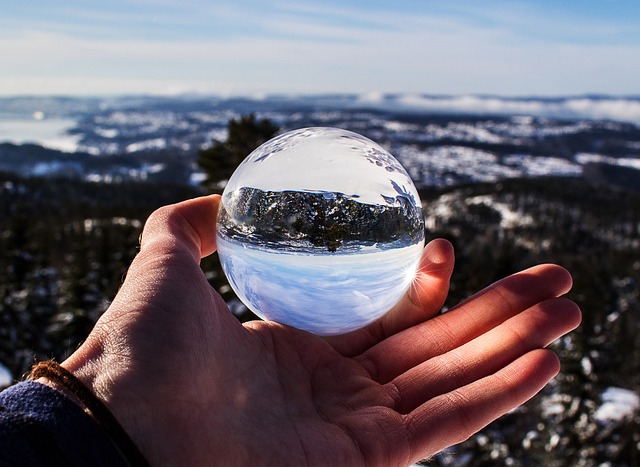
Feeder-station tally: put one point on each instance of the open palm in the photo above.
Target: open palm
(193, 386)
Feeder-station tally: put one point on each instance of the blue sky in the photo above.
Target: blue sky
(246, 47)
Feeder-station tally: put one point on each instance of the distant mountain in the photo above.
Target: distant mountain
(441, 140)
(577, 107)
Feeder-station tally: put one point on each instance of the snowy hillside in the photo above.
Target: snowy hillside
(440, 140)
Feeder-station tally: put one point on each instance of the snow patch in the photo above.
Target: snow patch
(509, 217)
(533, 166)
(617, 404)
(586, 158)
(109, 133)
(155, 143)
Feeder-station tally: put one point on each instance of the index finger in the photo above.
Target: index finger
(466, 321)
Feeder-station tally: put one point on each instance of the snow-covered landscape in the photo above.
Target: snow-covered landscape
(440, 140)
(510, 181)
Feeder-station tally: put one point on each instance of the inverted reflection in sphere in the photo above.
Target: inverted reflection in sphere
(320, 229)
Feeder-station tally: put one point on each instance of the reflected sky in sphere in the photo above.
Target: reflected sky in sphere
(320, 229)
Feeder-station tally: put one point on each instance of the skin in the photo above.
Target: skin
(193, 386)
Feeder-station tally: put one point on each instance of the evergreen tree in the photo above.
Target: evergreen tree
(221, 159)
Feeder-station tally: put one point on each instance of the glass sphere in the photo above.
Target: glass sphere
(320, 229)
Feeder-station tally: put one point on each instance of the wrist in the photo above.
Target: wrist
(63, 380)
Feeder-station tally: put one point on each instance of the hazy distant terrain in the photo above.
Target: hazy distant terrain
(535, 180)
(441, 141)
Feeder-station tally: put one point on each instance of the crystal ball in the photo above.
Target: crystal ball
(320, 229)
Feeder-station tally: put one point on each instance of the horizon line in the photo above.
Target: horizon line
(293, 95)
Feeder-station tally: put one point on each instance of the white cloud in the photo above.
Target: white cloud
(301, 47)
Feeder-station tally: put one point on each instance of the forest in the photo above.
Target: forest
(323, 221)
(66, 244)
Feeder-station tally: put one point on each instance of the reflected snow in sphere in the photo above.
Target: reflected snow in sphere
(320, 229)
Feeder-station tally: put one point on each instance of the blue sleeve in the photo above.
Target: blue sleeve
(40, 426)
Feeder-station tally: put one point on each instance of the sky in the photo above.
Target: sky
(254, 48)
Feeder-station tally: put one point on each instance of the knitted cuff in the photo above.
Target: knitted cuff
(93, 406)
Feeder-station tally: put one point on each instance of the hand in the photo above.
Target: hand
(193, 386)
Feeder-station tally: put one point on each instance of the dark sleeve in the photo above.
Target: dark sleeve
(40, 426)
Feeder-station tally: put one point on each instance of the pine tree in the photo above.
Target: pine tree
(220, 160)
